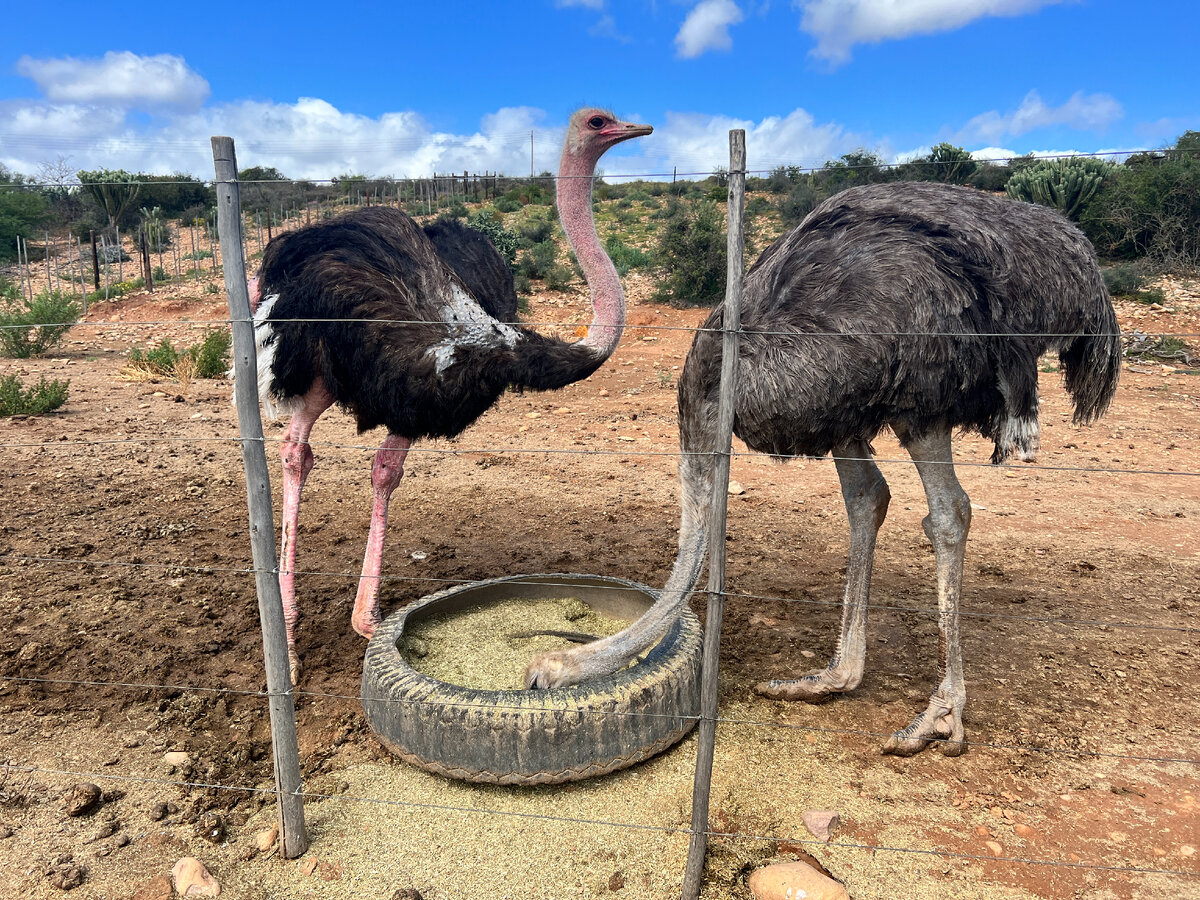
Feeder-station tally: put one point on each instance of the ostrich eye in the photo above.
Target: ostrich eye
(596, 122)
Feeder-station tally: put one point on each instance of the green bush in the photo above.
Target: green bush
(1123, 280)
(208, 359)
(691, 251)
(1150, 208)
(535, 230)
(798, 203)
(502, 239)
(1068, 184)
(507, 204)
(17, 400)
(31, 328)
(625, 257)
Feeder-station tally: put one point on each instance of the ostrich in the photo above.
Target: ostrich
(406, 328)
(920, 307)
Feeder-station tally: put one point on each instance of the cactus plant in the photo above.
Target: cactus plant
(1066, 184)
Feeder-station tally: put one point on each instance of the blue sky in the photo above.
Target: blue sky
(318, 90)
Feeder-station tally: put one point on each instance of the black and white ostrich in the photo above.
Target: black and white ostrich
(411, 329)
(919, 307)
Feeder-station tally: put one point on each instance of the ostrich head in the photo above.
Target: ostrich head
(592, 131)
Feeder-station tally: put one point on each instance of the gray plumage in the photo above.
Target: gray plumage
(919, 307)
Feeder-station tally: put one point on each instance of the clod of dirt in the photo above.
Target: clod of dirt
(106, 829)
(81, 799)
(5, 832)
(821, 823)
(159, 811)
(407, 894)
(794, 879)
(68, 877)
(193, 880)
(211, 827)
(307, 866)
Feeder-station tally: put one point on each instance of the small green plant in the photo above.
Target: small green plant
(1123, 280)
(1150, 295)
(30, 328)
(208, 359)
(507, 204)
(18, 400)
(198, 254)
(160, 274)
(211, 288)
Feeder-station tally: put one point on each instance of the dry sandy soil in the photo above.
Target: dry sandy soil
(1080, 644)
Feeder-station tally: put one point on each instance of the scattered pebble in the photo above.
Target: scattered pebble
(176, 758)
(735, 488)
(794, 881)
(265, 840)
(821, 823)
(1022, 830)
(307, 866)
(193, 880)
(994, 847)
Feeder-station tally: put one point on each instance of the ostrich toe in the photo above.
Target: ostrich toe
(940, 722)
(294, 667)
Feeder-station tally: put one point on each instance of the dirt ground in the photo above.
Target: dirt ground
(1080, 646)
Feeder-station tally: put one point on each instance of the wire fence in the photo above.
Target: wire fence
(208, 269)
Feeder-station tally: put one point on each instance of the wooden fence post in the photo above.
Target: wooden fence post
(288, 786)
(716, 525)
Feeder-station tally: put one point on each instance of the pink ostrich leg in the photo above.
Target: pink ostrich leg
(298, 461)
(385, 475)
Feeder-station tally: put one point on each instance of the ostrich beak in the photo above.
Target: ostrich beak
(623, 131)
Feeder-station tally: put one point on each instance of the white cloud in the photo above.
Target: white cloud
(120, 78)
(707, 28)
(1082, 112)
(840, 24)
(698, 142)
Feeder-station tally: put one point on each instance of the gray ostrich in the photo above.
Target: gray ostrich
(919, 307)
(404, 328)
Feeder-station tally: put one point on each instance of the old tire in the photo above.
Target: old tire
(534, 737)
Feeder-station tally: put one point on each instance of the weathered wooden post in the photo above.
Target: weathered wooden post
(716, 526)
(293, 834)
(95, 262)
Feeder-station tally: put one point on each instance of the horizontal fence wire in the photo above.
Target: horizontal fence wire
(301, 693)
(175, 569)
(569, 820)
(556, 451)
(809, 168)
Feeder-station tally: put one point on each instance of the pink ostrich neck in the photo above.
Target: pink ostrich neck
(575, 173)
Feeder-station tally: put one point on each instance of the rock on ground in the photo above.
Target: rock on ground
(193, 880)
(794, 881)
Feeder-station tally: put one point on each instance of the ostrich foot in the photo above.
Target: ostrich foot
(294, 667)
(940, 722)
(817, 686)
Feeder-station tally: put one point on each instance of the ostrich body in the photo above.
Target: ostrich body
(411, 329)
(919, 307)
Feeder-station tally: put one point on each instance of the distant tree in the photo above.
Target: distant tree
(175, 194)
(113, 190)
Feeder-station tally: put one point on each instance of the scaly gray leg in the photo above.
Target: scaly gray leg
(866, 496)
(947, 525)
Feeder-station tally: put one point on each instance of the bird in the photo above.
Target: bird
(919, 307)
(413, 329)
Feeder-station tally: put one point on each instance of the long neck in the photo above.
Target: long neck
(575, 209)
